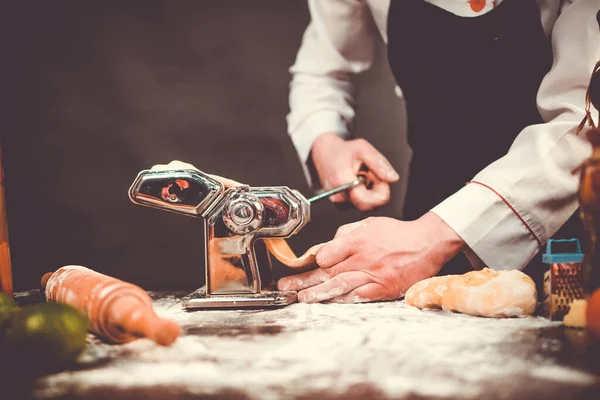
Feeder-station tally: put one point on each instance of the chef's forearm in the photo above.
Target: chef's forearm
(516, 204)
(337, 45)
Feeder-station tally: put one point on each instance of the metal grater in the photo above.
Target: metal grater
(562, 280)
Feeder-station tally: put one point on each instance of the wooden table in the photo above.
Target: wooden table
(325, 351)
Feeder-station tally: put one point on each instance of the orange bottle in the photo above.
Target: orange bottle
(589, 202)
(6, 283)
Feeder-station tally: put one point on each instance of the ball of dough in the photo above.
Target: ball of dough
(484, 293)
(489, 293)
(428, 292)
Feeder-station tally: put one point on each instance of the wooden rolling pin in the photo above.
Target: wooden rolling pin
(118, 311)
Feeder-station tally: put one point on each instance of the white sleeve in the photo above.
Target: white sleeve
(512, 207)
(337, 44)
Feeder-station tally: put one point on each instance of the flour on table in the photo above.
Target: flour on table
(309, 349)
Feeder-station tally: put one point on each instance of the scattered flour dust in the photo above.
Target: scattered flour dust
(306, 349)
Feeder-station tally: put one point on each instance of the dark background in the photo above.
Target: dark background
(94, 92)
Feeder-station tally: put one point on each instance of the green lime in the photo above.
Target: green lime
(46, 337)
(6, 301)
(8, 307)
(6, 316)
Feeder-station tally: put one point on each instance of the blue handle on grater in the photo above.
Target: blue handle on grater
(550, 258)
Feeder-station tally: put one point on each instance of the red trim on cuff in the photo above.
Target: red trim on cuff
(511, 208)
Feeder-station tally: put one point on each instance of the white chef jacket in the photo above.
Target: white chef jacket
(514, 205)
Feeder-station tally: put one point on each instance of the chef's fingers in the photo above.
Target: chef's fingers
(376, 162)
(181, 164)
(335, 251)
(332, 288)
(160, 167)
(365, 199)
(175, 164)
(362, 294)
(303, 280)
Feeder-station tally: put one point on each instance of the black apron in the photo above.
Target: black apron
(470, 85)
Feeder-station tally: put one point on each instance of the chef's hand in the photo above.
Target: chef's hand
(337, 162)
(176, 164)
(378, 258)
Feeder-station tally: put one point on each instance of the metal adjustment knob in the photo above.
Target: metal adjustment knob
(243, 214)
